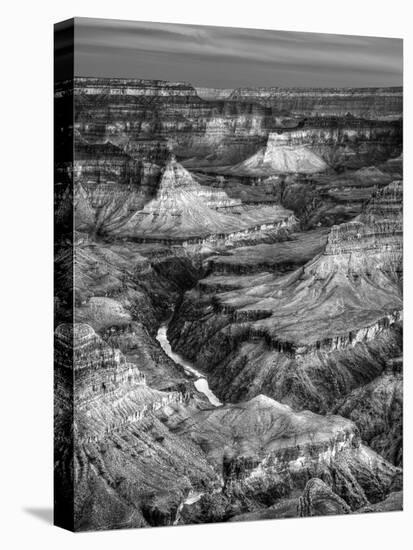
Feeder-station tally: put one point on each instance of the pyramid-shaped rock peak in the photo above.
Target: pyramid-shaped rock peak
(185, 209)
(281, 155)
(284, 157)
(175, 176)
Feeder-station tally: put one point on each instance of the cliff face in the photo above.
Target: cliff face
(281, 257)
(372, 103)
(147, 450)
(122, 452)
(319, 500)
(327, 198)
(340, 143)
(144, 117)
(129, 112)
(109, 392)
(281, 155)
(140, 453)
(212, 94)
(262, 233)
(126, 130)
(349, 303)
(182, 210)
(347, 143)
(265, 450)
(377, 410)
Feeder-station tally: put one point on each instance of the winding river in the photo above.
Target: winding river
(201, 382)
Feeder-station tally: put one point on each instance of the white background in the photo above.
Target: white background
(26, 271)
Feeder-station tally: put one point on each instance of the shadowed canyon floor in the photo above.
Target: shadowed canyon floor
(236, 339)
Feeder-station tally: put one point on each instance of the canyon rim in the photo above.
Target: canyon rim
(228, 274)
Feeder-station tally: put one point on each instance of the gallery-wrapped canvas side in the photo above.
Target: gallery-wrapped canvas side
(63, 274)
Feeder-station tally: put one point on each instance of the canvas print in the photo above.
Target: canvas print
(228, 274)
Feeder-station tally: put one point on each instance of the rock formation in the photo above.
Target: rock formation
(184, 211)
(261, 231)
(354, 284)
(319, 500)
(377, 410)
(370, 103)
(265, 451)
(280, 157)
(145, 117)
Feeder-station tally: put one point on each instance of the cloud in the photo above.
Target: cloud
(242, 57)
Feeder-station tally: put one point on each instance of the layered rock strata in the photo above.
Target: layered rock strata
(122, 453)
(377, 410)
(286, 325)
(281, 155)
(268, 452)
(374, 103)
(345, 304)
(183, 210)
(223, 131)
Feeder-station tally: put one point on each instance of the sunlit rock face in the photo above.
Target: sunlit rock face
(109, 391)
(182, 209)
(261, 231)
(318, 144)
(96, 368)
(140, 453)
(264, 450)
(125, 131)
(212, 94)
(280, 157)
(115, 424)
(144, 117)
(346, 304)
(369, 103)
(130, 112)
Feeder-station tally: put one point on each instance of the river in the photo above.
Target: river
(201, 382)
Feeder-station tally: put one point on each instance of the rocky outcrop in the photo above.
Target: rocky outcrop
(144, 117)
(319, 500)
(280, 156)
(393, 503)
(126, 129)
(182, 224)
(131, 111)
(212, 94)
(281, 257)
(372, 103)
(182, 210)
(266, 451)
(112, 175)
(109, 392)
(349, 302)
(377, 410)
(130, 438)
(121, 452)
(338, 144)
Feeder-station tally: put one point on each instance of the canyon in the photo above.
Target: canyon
(228, 304)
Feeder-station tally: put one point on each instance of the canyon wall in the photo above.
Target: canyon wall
(371, 103)
(262, 232)
(354, 283)
(126, 130)
(223, 131)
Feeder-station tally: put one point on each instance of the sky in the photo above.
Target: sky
(224, 57)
